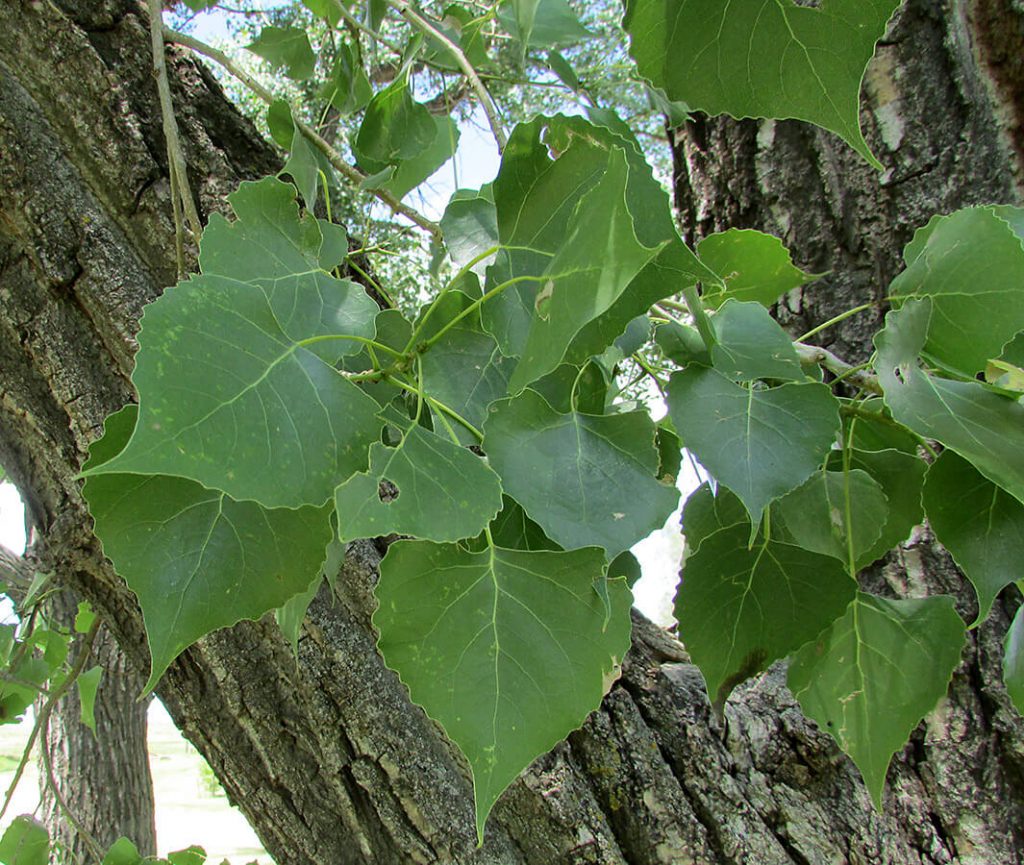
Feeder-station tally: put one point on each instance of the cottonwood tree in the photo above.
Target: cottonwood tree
(308, 726)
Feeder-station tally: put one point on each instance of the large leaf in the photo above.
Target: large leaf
(754, 267)
(838, 514)
(286, 48)
(970, 265)
(756, 58)
(586, 479)
(761, 443)
(237, 378)
(980, 524)
(597, 261)
(708, 511)
(750, 345)
(508, 650)
(876, 673)
(437, 490)
(197, 559)
(740, 607)
(983, 427)
(25, 842)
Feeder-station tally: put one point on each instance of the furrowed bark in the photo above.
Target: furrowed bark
(323, 752)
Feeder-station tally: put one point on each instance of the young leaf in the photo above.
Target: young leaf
(801, 62)
(751, 345)
(598, 259)
(759, 443)
(286, 48)
(88, 684)
(586, 479)
(983, 427)
(1013, 660)
(876, 673)
(838, 514)
(508, 650)
(438, 491)
(395, 128)
(25, 842)
(969, 263)
(753, 266)
(980, 524)
(740, 607)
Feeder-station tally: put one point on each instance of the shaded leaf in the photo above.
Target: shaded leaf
(740, 608)
(969, 263)
(751, 345)
(395, 128)
(759, 443)
(981, 525)
(1013, 660)
(507, 650)
(802, 62)
(708, 511)
(347, 89)
(681, 344)
(410, 173)
(872, 677)
(541, 23)
(470, 226)
(586, 479)
(983, 427)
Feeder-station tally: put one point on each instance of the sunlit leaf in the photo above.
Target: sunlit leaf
(25, 842)
(508, 650)
(88, 683)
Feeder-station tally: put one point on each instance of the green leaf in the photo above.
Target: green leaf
(761, 443)
(304, 167)
(801, 62)
(573, 388)
(507, 650)
(514, 530)
(969, 263)
(328, 10)
(438, 491)
(237, 377)
(901, 477)
(740, 608)
(597, 261)
(542, 23)
(465, 369)
(410, 173)
(983, 427)
(395, 128)
(586, 479)
(563, 69)
(838, 514)
(200, 5)
(347, 89)
(84, 618)
(1013, 660)
(25, 842)
(280, 123)
(286, 48)
(876, 673)
(88, 683)
(981, 525)
(681, 344)
(292, 613)
(196, 559)
(123, 852)
(751, 345)
(189, 856)
(753, 266)
(470, 226)
(708, 511)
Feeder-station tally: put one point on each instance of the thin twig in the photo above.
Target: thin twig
(486, 102)
(350, 172)
(824, 358)
(178, 171)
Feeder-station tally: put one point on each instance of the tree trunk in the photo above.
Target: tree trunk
(103, 778)
(324, 753)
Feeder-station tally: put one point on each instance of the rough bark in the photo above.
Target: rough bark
(324, 753)
(103, 778)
